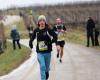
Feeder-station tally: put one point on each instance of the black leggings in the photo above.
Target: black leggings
(14, 44)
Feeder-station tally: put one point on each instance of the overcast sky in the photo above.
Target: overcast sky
(9, 3)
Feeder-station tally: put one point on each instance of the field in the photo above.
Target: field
(78, 36)
(20, 27)
(11, 59)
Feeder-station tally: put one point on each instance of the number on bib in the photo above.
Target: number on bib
(42, 46)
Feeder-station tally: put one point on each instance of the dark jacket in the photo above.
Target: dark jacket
(15, 35)
(59, 27)
(90, 26)
(43, 40)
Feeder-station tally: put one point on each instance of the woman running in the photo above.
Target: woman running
(43, 35)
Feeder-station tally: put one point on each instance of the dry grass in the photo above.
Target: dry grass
(21, 28)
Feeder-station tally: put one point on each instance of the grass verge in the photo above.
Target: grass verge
(11, 59)
(77, 36)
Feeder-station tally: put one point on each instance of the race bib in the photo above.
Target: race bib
(42, 46)
(60, 36)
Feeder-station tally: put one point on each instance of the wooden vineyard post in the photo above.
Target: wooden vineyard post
(2, 36)
(28, 20)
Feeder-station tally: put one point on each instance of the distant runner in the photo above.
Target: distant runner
(60, 29)
(43, 35)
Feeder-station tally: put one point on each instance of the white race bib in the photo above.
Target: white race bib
(42, 46)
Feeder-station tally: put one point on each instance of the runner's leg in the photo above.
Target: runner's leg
(58, 51)
(47, 62)
(61, 48)
(41, 60)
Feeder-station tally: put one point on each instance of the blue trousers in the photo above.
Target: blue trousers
(44, 61)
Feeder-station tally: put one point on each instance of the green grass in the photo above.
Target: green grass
(11, 59)
(77, 36)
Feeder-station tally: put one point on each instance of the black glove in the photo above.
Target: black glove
(54, 41)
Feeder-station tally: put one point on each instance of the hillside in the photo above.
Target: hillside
(70, 13)
(77, 13)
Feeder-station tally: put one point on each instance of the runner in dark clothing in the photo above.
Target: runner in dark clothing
(60, 29)
(44, 45)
